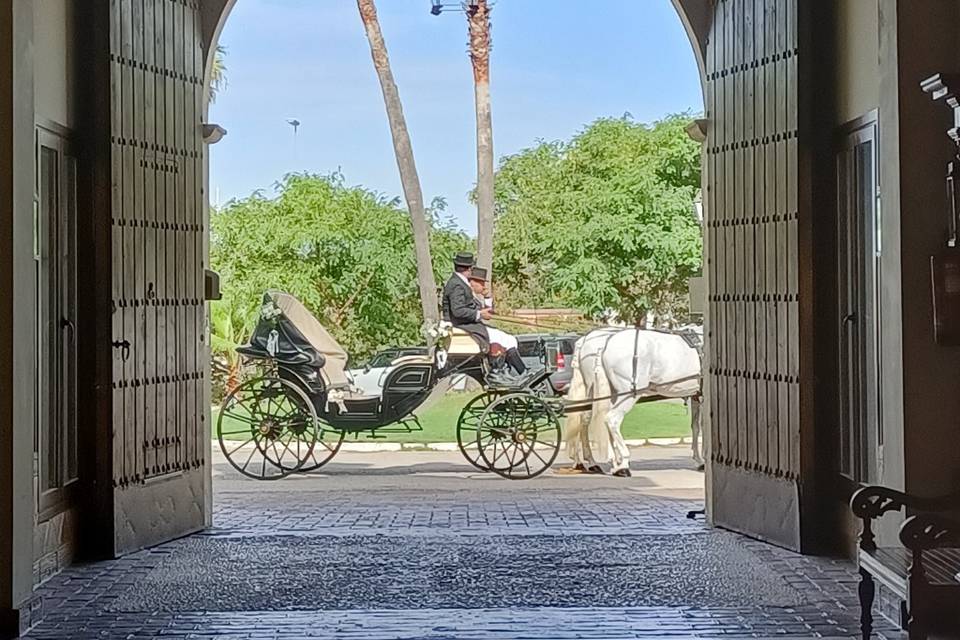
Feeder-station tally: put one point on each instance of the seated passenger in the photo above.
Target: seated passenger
(481, 291)
(464, 311)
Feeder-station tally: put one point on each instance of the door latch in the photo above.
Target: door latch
(124, 345)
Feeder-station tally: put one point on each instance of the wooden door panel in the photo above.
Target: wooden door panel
(158, 228)
(752, 253)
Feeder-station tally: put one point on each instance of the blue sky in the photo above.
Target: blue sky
(556, 66)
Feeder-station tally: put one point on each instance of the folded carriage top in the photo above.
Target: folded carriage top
(289, 333)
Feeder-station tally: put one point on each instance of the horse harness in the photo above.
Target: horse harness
(690, 337)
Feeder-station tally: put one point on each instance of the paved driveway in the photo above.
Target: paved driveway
(418, 545)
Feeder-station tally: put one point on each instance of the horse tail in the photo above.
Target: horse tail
(601, 390)
(577, 391)
(578, 385)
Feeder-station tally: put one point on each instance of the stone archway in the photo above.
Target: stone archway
(695, 15)
(758, 268)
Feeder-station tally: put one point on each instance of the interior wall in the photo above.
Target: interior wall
(857, 47)
(16, 312)
(54, 61)
(919, 379)
(95, 265)
(855, 70)
(891, 468)
(927, 39)
(55, 105)
(6, 319)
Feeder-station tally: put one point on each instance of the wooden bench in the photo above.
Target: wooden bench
(924, 573)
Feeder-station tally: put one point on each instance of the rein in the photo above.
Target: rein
(539, 325)
(587, 403)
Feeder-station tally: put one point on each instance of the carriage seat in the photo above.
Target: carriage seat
(463, 343)
(412, 359)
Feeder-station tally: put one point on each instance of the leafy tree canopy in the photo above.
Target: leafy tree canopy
(603, 222)
(345, 252)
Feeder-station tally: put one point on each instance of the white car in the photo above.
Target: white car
(369, 378)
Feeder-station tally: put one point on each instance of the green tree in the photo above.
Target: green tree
(345, 252)
(229, 327)
(603, 222)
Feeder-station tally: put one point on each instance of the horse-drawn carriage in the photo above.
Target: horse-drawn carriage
(293, 415)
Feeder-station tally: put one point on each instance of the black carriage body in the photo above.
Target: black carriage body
(405, 389)
(278, 340)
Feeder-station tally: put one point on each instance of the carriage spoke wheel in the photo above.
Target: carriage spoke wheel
(519, 436)
(328, 443)
(267, 428)
(468, 429)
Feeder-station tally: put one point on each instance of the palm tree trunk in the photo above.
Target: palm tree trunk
(405, 162)
(478, 15)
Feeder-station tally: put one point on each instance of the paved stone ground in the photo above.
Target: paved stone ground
(417, 545)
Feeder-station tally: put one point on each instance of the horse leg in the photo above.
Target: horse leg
(584, 386)
(573, 436)
(695, 428)
(589, 462)
(621, 452)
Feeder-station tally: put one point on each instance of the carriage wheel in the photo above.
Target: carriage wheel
(328, 443)
(468, 429)
(519, 436)
(267, 428)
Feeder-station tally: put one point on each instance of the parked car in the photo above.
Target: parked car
(530, 347)
(370, 376)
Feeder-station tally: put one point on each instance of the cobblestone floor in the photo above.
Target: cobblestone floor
(414, 545)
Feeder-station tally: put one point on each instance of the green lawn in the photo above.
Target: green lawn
(647, 420)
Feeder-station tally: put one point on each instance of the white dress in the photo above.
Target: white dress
(497, 336)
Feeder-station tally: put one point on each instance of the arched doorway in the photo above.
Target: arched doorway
(759, 404)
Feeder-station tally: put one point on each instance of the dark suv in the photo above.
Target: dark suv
(531, 350)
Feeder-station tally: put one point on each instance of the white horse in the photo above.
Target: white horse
(612, 369)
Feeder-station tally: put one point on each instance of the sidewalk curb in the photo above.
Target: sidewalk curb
(452, 446)
(386, 447)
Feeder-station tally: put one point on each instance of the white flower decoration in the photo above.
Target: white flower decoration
(270, 312)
